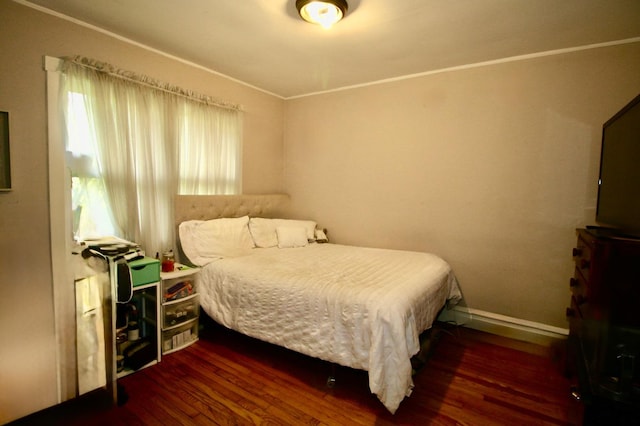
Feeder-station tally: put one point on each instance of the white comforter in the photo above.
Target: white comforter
(359, 307)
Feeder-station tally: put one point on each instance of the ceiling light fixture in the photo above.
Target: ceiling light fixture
(324, 13)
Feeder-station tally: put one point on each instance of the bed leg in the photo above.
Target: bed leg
(331, 380)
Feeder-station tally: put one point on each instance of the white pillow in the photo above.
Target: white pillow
(204, 241)
(291, 236)
(264, 233)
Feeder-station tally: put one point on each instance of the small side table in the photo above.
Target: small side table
(180, 308)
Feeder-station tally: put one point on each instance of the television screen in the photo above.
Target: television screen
(619, 181)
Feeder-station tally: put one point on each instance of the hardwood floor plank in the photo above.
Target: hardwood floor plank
(274, 386)
(170, 403)
(193, 403)
(277, 384)
(215, 404)
(229, 379)
(248, 393)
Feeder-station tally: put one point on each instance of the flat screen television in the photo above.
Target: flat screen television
(619, 180)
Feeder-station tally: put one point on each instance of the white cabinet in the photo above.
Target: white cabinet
(180, 308)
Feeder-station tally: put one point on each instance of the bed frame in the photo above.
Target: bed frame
(207, 207)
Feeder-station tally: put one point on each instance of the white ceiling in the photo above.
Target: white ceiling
(265, 44)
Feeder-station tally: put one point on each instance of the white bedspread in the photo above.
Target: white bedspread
(359, 307)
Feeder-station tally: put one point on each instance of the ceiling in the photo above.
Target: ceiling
(265, 44)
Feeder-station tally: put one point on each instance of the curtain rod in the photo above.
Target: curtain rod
(147, 81)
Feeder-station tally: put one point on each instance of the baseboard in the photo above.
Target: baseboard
(501, 325)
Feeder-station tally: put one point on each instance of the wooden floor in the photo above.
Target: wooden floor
(226, 378)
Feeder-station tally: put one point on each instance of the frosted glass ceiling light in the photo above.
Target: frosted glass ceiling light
(324, 13)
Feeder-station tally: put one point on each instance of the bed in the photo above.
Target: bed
(270, 278)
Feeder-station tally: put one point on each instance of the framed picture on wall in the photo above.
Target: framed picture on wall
(5, 160)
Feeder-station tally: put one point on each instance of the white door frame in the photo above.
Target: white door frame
(61, 239)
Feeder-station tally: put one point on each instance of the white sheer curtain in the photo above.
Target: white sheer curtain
(150, 141)
(205, 167)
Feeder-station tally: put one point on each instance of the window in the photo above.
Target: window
(131, 148)
(90, 207)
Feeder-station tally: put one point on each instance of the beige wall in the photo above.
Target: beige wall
(27, 352)
(491, 167)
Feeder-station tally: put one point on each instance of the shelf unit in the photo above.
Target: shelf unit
(132, 293)
(180, 308)
(145, 298)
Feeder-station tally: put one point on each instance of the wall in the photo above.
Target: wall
(27, 354)
(492, 167)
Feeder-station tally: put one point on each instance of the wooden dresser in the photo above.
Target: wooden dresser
(604, 318)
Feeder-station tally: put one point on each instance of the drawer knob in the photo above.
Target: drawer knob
(577, 252)
(573, 282)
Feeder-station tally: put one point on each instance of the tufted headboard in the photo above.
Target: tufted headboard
(205, 207)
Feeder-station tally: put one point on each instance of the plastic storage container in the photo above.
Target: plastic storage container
(180, 311)
(144, 271)
(179, 337)
(177, 289)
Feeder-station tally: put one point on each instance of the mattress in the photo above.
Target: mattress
(359, 307)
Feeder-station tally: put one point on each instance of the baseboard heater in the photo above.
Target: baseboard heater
(502, 325)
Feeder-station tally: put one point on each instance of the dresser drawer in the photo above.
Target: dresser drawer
(580, 306)
(180, 311)
(582, 255)
(578, 285)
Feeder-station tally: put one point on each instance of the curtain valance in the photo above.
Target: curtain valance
(141, 79)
